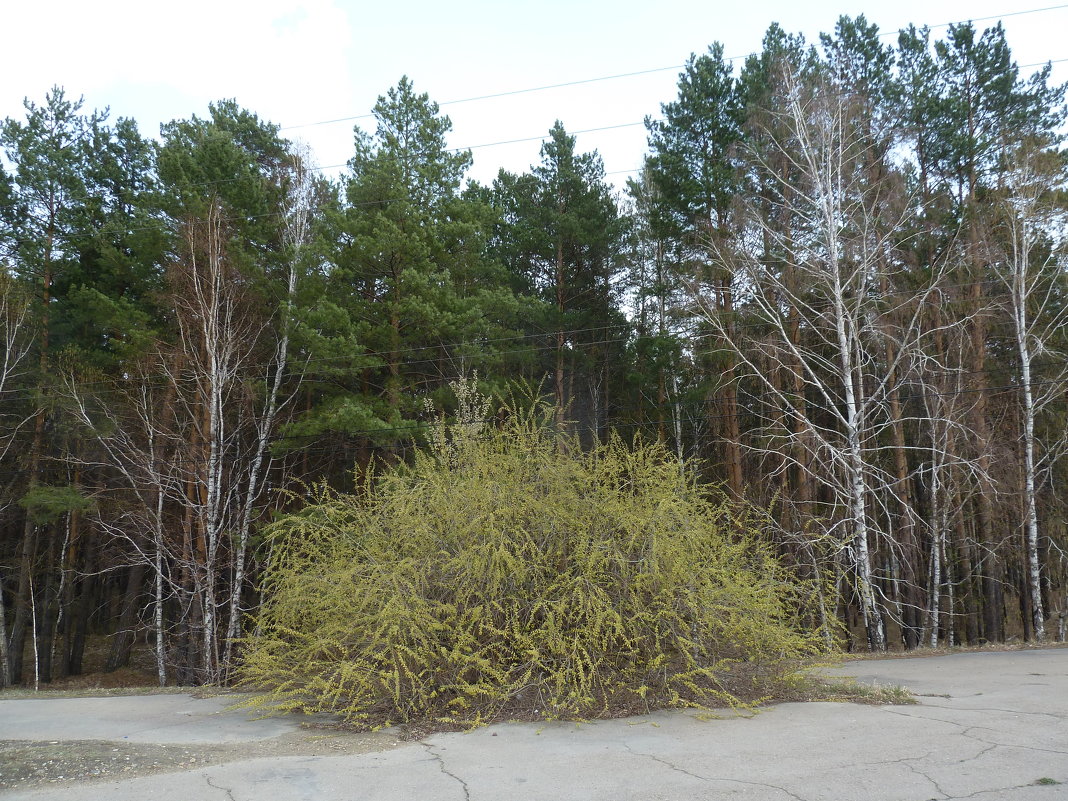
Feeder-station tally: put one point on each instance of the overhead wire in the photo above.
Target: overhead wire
(449, 349)
(652, 70)
(535, 138)
(542, 137)
(416, 427)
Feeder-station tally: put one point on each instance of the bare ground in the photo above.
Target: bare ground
(24, 763)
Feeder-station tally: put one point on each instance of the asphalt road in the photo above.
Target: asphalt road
(989, 726)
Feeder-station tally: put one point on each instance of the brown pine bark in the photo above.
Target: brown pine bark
(990, 567)
(82, 589)
(28, 546)
(123, 639)
(732, 426)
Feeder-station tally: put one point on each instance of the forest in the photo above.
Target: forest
(837, 291)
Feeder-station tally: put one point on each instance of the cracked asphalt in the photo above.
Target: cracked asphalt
(989, 726)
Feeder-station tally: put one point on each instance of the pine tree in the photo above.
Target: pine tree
(567, 241)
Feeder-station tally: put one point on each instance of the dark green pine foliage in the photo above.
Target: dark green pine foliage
(693, 158)
(83, 228)
(565, 241)
(916, 103)
(763, 89)
(8, 214)
(984, 106)
(694, 166)
(110, 310)
(45, 209)
(861, 67)
(46, 226)
(237, 161)
(408, 300)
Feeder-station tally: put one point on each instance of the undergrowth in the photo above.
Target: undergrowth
(505, 574)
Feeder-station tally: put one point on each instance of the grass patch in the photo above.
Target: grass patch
(847, 690)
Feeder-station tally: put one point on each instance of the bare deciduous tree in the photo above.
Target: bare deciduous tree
(16, 338)
(1031, 270)
(837, 257)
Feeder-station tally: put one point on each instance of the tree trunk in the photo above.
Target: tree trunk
(5, 659)
(558, 376)
(907, 541)
(78, 623)
(732, 425)
(123, 639)
(989, 563)
(49, 607)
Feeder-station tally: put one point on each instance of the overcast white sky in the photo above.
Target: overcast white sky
(296, 62)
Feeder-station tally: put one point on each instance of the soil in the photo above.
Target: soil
(24, 763)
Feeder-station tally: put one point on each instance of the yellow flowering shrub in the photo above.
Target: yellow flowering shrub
(502, 575)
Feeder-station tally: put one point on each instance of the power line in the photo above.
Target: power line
(987, 19)
(653, 70)
(569, 334)
(496, 95)
(542, 137)
(417, 427)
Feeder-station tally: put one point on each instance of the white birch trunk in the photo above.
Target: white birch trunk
(157, 565)
(299, 205)
(1037, 317)
(1038, 615)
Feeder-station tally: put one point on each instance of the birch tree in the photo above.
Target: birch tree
(1032, 270)
(841, 255)
(131, 423)
(299, 206)
(16, 339)
(186, 430)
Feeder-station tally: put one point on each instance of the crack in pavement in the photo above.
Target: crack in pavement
(446, 771)
(902, 760)
(994, 709)
(662, 761)
(927, 718)
(1015, 745)
(983, 752)
(907, 762)
(227, 790)
(969, 733)
(676, 768)
(966, 731)
(991, 790)
(935, 784)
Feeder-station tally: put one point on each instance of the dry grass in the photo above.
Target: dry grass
(851, 691)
